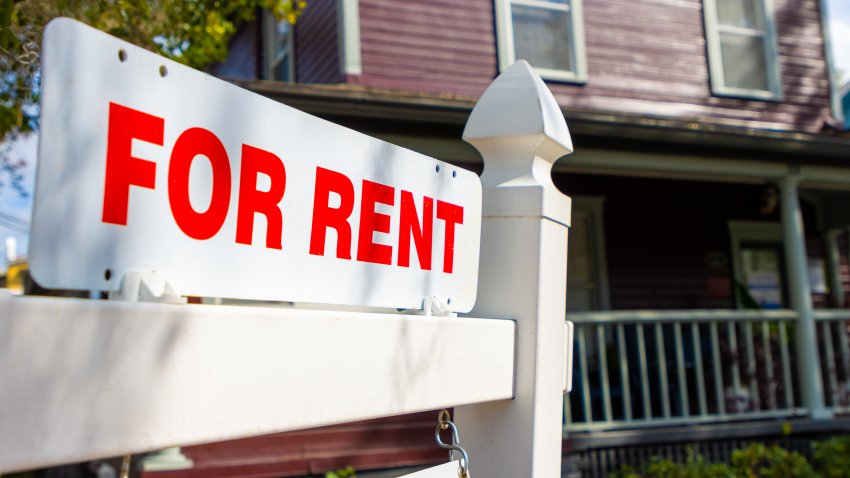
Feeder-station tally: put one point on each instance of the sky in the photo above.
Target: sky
(12, 204)
(839, 26)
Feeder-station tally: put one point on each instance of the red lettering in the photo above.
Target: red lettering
(251, 201)
(190, 144)
(371, 221)
(409, 226)
(122, 169)
(324, 216)
(452, 214)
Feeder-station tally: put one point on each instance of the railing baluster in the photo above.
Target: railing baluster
(585, 382)
(749, 342)
(844, 341)
(662, 369)
(768, 364)
(718, 373)
(624, 372)
(732, 333)
(786, 366)
(585, 376)
(602, 346)
(680, 368)
(826, 327)
(700, 378)
(644, 373)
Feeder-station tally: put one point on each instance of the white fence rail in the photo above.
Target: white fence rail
(656, 368)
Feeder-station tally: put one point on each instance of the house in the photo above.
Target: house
(709, 260)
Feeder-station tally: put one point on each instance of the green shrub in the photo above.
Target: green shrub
(832, 457)
(759, 461)
(694, 467)
(347, 472)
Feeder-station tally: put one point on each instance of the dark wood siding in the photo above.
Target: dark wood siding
(316, 43)
(241, 62)
(659, 234)
(386, 443)
(645, 57)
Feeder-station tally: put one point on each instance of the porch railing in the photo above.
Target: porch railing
(655, 368)
(833, 327)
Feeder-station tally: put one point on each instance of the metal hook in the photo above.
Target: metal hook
(443, 423)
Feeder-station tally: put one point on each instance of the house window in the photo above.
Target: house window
(280, 51)
(758, 264)
(742, 53)
(587, 276)
(549, 34)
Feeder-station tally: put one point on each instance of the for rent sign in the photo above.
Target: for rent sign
(147, 165)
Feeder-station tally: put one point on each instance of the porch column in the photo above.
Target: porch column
(833, 257)
(806, 344)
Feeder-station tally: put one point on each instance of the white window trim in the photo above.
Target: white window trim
(751, 231)
(270, 50)
(593, 206)
(505, 39)
(348, 22)
(715, 61)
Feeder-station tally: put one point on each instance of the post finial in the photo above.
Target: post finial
(520, 131)
(517, 115)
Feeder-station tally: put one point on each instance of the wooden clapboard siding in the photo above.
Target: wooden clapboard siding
(242, 62)
(317, 44)
(645, 57)
(386, 443)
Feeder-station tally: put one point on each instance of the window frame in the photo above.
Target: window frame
(752, 231)
(592, 207)
(506, 47)
(713, 28)
(271, 61)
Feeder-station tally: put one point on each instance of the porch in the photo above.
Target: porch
(710, 299)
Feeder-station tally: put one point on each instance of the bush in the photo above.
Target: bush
(759, 461)
(755, 461)
(694, 467)
(832, 457)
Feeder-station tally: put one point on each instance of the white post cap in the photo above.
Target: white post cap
(520, 131)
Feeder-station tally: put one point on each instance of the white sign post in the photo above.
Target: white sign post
(148, 165)
(525, 214)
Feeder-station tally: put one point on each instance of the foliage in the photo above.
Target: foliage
(347, 472)
(694, 467)
(832, 457)
(194, 32)
(757, 461)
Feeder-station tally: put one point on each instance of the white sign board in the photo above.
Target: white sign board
(446, 470)
(148, 165)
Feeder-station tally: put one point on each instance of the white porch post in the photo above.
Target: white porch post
(806, 346)
(833, 257)
(520, 131)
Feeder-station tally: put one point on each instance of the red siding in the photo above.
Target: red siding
(644, 57)
(386, 443)
(316, 44)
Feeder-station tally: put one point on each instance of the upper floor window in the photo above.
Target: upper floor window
(742, 53)
(549, 34)
(280, 49)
